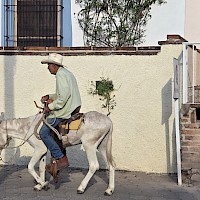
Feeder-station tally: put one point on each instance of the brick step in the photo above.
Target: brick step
(192, 150)
(184, 120)
(190, 165)
(190, 140)
(190, 160)
(192, 126)
(192, 137)
(190, 131)
(189, 143)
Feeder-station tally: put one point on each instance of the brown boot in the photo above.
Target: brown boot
(49, 168)
(56, 165)
(52, 168)
(62, 163)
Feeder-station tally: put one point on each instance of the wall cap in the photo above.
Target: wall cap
(80, 51)
(173, 39)
(83, 51)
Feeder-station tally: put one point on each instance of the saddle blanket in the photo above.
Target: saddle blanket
(74, 125)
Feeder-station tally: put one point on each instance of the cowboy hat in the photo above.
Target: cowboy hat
(53, 58)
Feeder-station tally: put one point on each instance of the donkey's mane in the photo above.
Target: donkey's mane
(18, 122)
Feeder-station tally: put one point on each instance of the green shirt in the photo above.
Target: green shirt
(67, 97)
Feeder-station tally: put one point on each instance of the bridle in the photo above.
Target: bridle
(7, 139)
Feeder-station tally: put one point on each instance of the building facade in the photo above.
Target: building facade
(174, 17)
(192, 29)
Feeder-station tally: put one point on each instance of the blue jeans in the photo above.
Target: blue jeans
(48, 140)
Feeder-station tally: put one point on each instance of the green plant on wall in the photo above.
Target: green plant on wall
(104, 89)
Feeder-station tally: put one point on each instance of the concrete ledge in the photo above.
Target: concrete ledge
(80, 51)
(173, 39)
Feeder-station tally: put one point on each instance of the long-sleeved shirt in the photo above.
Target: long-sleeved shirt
(67, 97)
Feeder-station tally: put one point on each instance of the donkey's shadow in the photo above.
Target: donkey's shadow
(76, 175)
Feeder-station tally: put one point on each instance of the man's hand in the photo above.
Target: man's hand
(46, 109)
(44, 98)
(49, 101)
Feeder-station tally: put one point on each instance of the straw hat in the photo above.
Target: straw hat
(53, 58)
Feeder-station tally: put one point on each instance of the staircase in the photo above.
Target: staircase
(190, 140)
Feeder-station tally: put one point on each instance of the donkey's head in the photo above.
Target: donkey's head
(3, 134)
(4, 140)
(2, 117)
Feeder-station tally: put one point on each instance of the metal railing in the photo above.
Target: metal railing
(191, 73)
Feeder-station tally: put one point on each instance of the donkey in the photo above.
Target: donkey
(95, 134)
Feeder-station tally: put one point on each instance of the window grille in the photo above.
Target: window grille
(33, 23)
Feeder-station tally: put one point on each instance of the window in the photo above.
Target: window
(35, 23)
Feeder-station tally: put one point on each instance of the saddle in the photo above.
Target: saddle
(73, 123)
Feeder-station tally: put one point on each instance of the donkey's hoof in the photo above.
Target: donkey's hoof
(80, 189)
(80, 192)
(46, 186)
(37, 187)
(108, 192)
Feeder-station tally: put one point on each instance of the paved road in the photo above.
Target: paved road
(17, 184)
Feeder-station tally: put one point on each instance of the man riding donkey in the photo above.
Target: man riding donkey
(59, 106)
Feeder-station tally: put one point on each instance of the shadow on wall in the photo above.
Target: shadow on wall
(166, 114)
(9, 71)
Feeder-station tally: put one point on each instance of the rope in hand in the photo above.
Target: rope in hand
(48, 124)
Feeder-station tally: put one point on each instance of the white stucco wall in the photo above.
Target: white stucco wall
(144, 134)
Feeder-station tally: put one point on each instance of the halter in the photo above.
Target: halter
(7, 139)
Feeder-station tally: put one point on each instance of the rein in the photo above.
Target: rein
(52, 128)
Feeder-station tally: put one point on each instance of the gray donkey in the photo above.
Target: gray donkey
(95, 133)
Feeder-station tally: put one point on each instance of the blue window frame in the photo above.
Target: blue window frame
(37, 23)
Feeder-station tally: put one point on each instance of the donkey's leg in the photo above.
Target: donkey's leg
(104, 149)
(42, 165)
(93, 166)
(38, 153)
(109, 191)
(111, 185)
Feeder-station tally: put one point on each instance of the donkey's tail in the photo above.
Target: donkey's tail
(109, 147)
